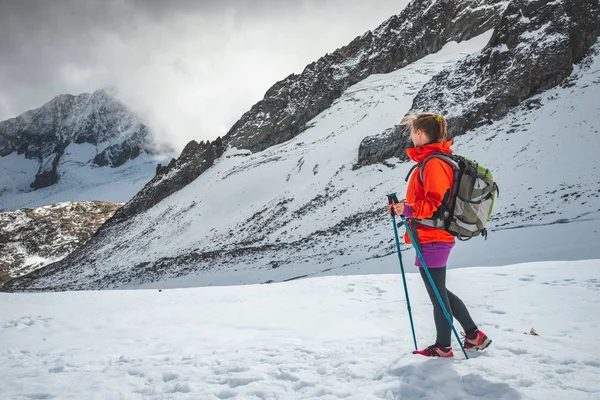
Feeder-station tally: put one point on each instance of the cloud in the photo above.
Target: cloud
(190, 68)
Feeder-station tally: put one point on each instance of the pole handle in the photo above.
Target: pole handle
(393, 199)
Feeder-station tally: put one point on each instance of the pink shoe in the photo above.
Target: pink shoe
(480, 342)
(435, 351)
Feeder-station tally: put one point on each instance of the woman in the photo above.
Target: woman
(428, 134)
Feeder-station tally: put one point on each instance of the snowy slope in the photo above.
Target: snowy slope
(323, 338)
(79, 180)
(300, 208)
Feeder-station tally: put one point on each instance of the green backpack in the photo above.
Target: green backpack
(468, 205)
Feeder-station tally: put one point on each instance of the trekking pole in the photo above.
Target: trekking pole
(391, 200)
(437, 294)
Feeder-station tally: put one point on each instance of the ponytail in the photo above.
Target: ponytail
(433, 125)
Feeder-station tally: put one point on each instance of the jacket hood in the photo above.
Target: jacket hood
(420, 153)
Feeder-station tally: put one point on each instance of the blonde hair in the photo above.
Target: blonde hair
(433, 125)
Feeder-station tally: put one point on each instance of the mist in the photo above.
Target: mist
(189, 68)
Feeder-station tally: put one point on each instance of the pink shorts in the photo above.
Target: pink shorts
(435, 254)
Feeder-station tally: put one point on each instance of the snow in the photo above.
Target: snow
(17, 172)
(79, 179)
(79, 154)
(475, 10)
(539, 36)
(328, 338)
(33, 262)
(46, 164)
(431, 4)
(538, 33)
(503, 48)
(524, 19)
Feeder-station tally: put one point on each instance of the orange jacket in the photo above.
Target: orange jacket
(424, 199)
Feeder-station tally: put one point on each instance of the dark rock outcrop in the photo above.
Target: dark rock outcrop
(118, 154)
(390, 143)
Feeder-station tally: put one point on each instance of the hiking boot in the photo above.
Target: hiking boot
(479, 341)
(435, 350)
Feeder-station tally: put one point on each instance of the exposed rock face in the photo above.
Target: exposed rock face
(377, 148)
(33, 237)
(421, 29)
(533, 48)
(48, 172)
(118, 154)
(98, 119)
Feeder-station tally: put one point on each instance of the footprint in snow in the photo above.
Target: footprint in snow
(227, 369)
(526, 279)
(169, 376)
(526, 383)
(240, 381)
(287, 376)
(179, 388)
(592, 363)
(226, 394)
(563, 370)
(25, 322)
(380, 291)
(135, 372)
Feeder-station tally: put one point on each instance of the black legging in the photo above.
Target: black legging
(454, 305)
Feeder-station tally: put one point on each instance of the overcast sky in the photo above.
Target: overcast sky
(191, 67)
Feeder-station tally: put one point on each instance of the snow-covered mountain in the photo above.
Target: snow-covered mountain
(75, 148)
(288, 107)
(314, 204)
(33, 237)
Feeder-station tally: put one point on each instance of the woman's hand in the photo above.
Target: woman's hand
(398, 208)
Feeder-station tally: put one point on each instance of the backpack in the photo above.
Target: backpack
(468, 205)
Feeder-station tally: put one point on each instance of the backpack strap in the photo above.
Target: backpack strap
(442, 156)
(411, 171)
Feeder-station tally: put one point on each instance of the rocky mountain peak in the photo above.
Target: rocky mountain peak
(99, 119)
